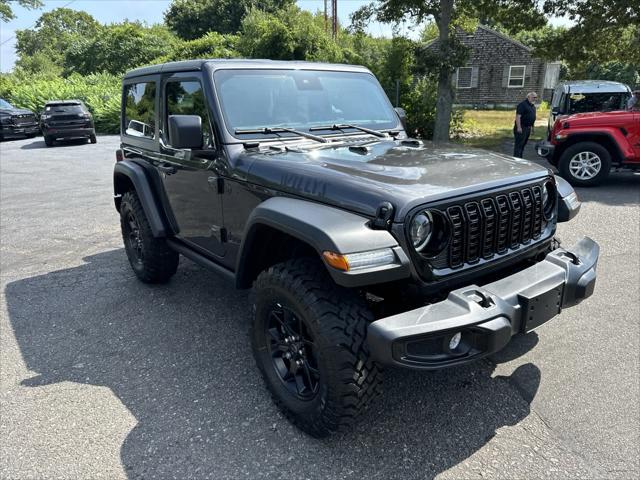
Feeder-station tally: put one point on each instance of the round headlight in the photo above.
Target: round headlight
(548, 199)
(421, 229)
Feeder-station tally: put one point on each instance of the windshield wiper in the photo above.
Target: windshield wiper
(342, 126)
(268, 130)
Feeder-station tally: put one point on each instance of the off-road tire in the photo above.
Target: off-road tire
(337, 319)
(155, 262)
(93, 139)
(49, 141)
(570, 152)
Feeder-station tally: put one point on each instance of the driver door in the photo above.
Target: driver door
(191, 180)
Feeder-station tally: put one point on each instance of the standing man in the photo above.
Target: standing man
(634, 102)
(525, 118)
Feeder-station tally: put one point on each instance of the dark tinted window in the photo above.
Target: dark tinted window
(187, 98)
(139, 114)
(597, 102)
(64, 108)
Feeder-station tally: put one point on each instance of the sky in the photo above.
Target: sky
(150, 11)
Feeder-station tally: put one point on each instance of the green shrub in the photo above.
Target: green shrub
(100, 92)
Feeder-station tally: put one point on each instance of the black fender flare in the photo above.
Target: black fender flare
(136, 175)
(323, 228)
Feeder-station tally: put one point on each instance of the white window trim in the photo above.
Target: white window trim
(458, 87)
(524, 74)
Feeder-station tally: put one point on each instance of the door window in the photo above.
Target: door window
(187, 98)
(139, 110)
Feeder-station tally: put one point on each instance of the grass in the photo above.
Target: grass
(491, 128)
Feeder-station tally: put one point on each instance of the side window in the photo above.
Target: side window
(187, 98)
(139, 109)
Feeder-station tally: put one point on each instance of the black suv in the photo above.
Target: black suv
(66, 120)
(364, 248)
(17, 122)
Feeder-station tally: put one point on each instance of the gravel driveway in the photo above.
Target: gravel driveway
(104, 377)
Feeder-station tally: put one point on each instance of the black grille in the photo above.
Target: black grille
(490, 226)
(24, 119)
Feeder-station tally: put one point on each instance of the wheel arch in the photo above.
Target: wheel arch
(605, 139)
(281, 228)
(129, 176)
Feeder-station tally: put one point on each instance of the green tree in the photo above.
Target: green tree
(50, 37)
(449, 53)
(6, 13)
(288, 34)
(191, 19)
(119, 47)
(212, 45)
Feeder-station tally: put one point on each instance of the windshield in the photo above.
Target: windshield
(597, 102)
(73, 108)
(5, 104)
(301, 100)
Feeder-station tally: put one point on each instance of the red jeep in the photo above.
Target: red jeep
(585, 146)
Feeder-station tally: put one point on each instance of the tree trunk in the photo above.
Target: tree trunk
(444, 103)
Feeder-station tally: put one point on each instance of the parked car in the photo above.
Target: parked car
(17, 122)
(66, 120)
(585, 146)
(364, 248)
(582, 96)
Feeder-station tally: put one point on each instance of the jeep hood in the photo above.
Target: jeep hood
(618, 117)
(361, 176)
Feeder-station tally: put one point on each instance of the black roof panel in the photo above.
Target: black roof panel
(195, 65)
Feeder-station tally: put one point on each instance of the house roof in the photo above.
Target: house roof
(504, 37)
(470, 37)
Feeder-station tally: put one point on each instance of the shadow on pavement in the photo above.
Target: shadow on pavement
(178, 357)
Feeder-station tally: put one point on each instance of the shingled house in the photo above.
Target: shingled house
(500, 71)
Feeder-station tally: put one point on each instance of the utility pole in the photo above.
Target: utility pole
(326, 17)
(334, 15)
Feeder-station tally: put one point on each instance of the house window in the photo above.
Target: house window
(464, 77)
(516, 76)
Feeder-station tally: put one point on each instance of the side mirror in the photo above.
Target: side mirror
(555, 112)
(402, 115)
(185, 131)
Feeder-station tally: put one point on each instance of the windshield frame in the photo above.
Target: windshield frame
(234, 138)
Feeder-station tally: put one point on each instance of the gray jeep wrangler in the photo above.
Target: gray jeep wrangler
(364, 248)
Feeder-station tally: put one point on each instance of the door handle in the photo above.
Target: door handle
(169, 170)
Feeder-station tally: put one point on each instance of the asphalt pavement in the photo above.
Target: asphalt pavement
(102, 376)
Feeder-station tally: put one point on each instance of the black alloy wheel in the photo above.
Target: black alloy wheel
(134, 238)
(293, 353)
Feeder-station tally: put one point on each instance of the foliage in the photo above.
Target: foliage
(6, 13)
(212, 45)
(51, 36)
(191, 19)
(119, 47)
(100, 92)
(288, 34)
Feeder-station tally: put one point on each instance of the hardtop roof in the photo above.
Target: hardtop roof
(595, 86)
(197, 65)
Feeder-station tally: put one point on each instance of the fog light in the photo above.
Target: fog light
(455, 341)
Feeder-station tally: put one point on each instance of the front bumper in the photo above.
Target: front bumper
(488, 316)
(10, 130)
(545, 149)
